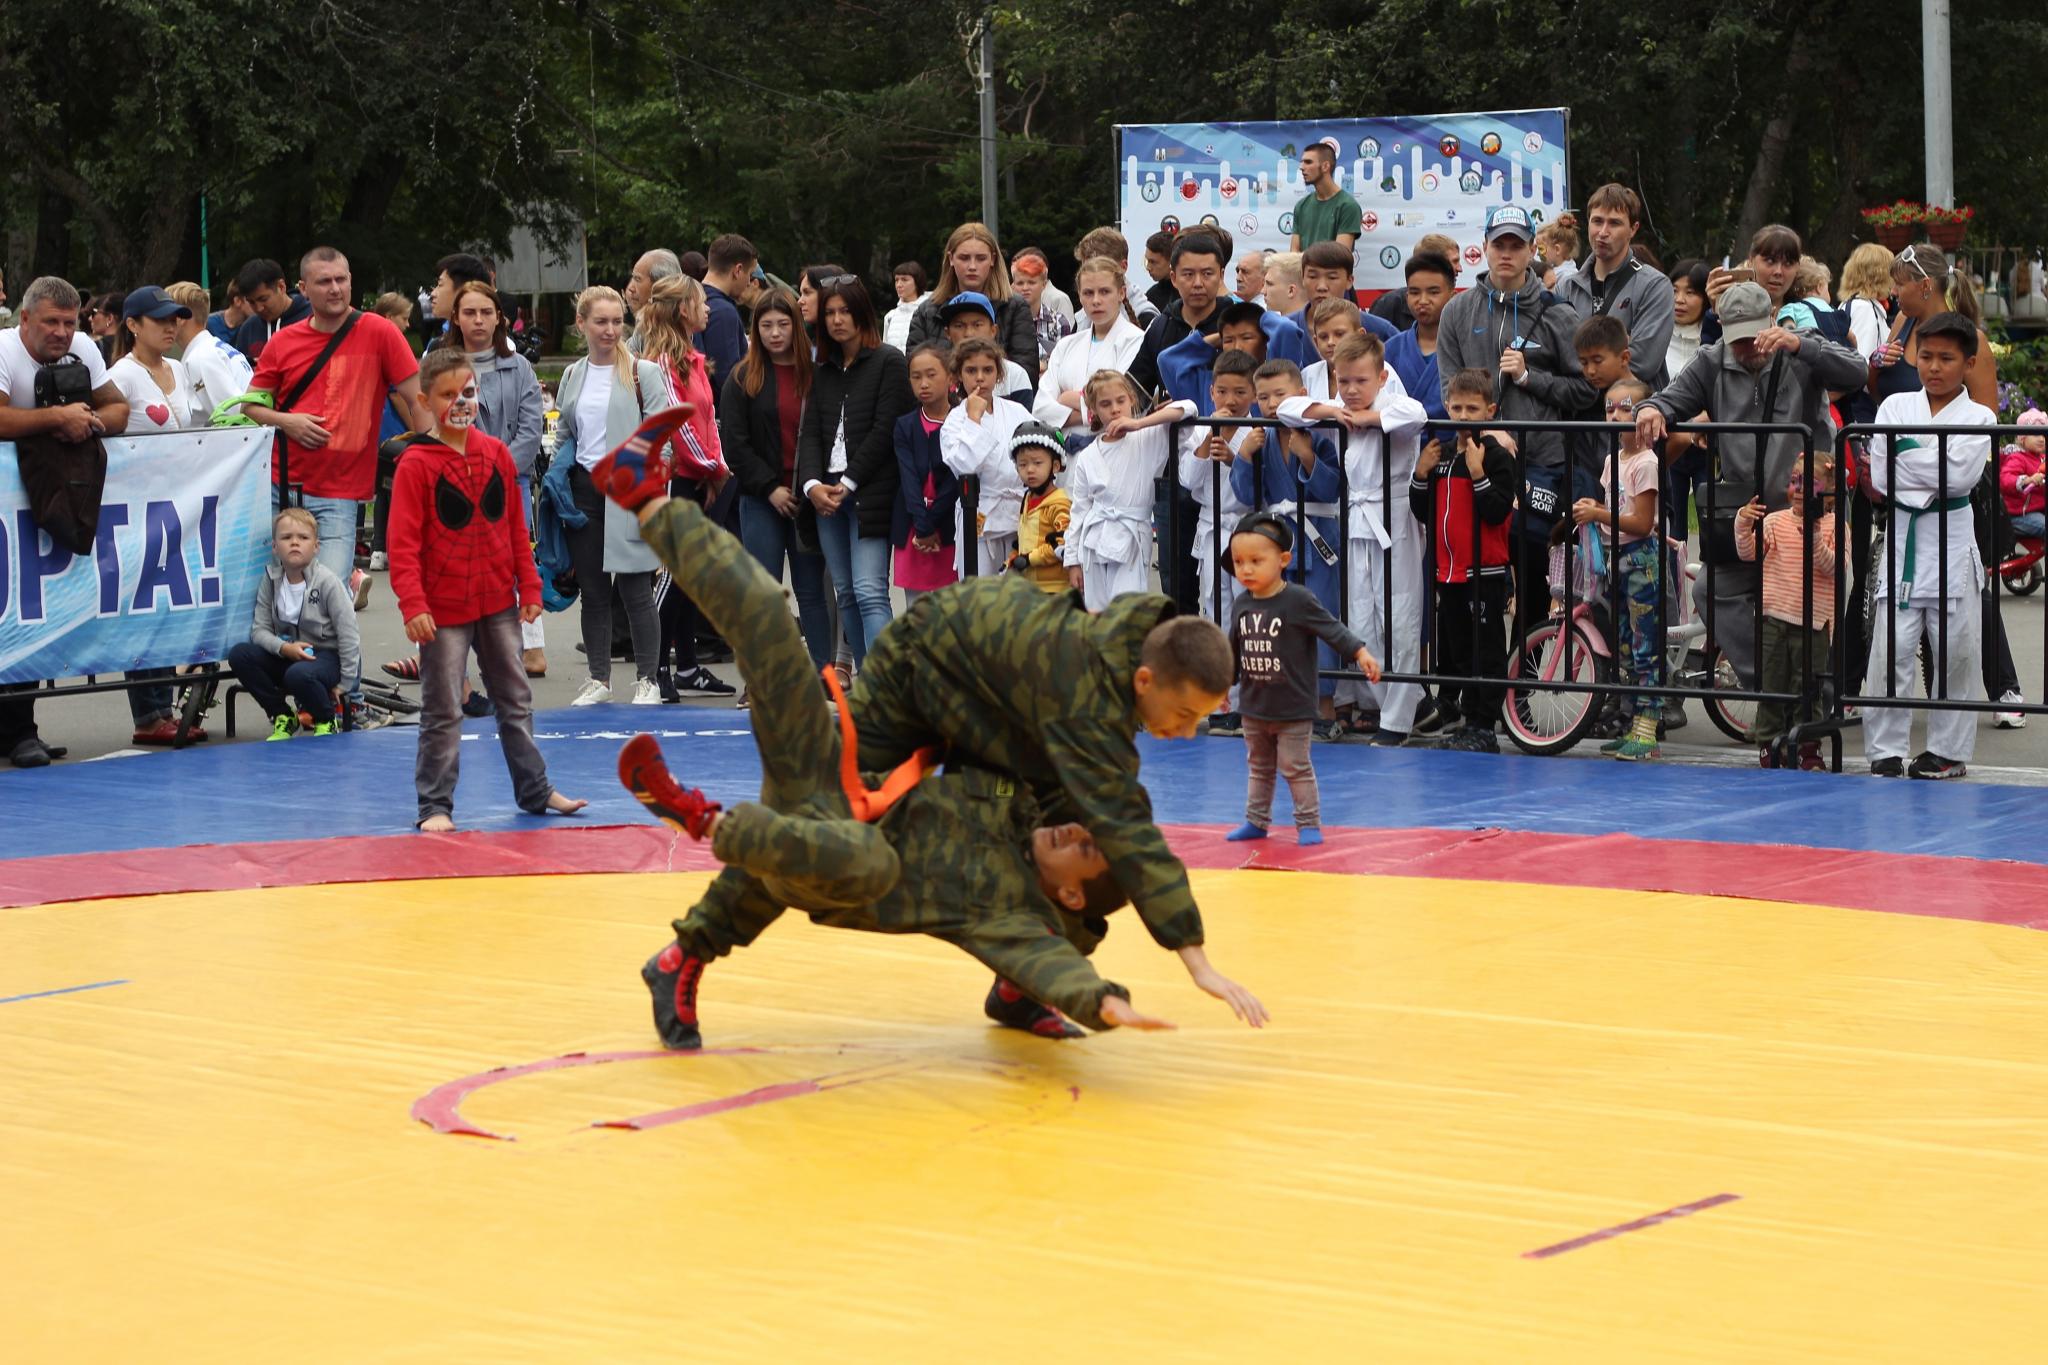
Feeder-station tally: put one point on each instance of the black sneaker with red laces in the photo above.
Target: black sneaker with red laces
(1012, 1008)
(672, 976)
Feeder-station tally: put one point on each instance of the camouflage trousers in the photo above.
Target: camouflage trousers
(800, 839)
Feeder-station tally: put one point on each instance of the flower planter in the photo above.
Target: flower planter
(1947, 236)
(1894, 236)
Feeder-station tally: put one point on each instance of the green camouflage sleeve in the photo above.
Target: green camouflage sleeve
(1098, 769)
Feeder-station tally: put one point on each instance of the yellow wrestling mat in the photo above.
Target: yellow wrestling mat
(218, 1160)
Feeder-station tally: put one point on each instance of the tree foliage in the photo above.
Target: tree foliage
(846, 130)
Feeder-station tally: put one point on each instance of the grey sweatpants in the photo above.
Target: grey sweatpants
(1281, 745)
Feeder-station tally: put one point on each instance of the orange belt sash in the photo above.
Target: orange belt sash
(869, 806)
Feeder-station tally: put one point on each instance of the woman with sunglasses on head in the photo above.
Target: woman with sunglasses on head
(846, 454)
(1923, 285)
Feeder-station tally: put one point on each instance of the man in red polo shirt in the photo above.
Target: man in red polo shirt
(330, 429)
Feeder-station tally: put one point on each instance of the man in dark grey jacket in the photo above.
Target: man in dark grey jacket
(1508, 325)
(1756, 372)
(1615, 283)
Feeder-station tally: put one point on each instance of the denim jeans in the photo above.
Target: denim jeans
(270, 678)
(443, 661)
(147, 705)
(770, 538)
(860, 578)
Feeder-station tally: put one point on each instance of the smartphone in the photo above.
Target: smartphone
(1742, 274)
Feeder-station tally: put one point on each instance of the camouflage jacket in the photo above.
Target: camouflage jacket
(1014, 680)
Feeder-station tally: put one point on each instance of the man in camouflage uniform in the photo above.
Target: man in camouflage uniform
(956, 856)
(1008, 681)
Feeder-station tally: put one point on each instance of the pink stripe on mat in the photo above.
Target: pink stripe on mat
(1901, 883)
(1682, 1211)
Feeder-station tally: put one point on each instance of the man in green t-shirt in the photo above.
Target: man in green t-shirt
(1325, 213)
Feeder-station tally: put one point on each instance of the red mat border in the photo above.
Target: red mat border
(1990, 892)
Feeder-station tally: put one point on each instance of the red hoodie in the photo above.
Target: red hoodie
(458, 544)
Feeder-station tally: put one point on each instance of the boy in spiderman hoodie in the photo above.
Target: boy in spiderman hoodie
(1465, 498)
(462, 570)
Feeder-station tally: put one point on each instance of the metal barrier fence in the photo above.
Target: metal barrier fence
(1710, 629)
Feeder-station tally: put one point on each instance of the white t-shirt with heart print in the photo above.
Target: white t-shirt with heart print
(149, 407)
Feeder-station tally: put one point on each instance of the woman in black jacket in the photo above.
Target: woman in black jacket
(846, 454)
(760, 412)
(974, 264)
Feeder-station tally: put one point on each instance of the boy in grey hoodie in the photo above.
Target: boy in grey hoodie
(303, 643)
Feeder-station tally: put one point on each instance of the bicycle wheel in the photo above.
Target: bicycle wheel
(2023, 583)
(1542, 721)
(1735, 717)
(196, 702)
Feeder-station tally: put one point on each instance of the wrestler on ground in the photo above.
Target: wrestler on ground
(954, 856)
(998, 676)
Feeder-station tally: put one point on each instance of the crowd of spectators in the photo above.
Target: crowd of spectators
(847, 417)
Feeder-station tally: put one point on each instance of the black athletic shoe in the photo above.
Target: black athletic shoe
(702, 682)
(672, 976)
(1227, 724)
(1389, 739)
(476, 706)
(1888, 767)
(1327, 731)
(665, 683)
(1473, 740)
(1934, 768)
(1012, 1008)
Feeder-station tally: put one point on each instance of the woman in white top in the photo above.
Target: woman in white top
(218, 371)
(158, 390)
(1110, 341)
(159, 399)
(603, 397)
(912, 289)
(1688, 315)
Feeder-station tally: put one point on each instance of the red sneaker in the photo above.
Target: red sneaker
(159, 732)
(637, 469)
(646, 775)
(672, 976)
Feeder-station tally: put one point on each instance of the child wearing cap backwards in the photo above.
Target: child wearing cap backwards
(1274, 635)
(1039, 454)
(2022, 472)
(1930, 595)
(1110, 537)
(462, 570)
(974, 441)
(1384, 556)
(971, 317)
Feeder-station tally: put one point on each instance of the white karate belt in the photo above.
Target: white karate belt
(1122, 531)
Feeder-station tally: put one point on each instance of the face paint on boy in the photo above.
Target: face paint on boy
(463, 411)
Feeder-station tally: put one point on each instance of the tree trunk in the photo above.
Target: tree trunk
(1775, 144)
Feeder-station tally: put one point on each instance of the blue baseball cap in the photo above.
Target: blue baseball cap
(1509, 218)
(961, 303)
(152, 302)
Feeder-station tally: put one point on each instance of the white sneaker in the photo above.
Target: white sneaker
(2010, 720)
(379, 561)
(593, 692)
(645, 693)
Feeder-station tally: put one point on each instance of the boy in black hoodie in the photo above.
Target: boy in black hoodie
(1465, 496)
